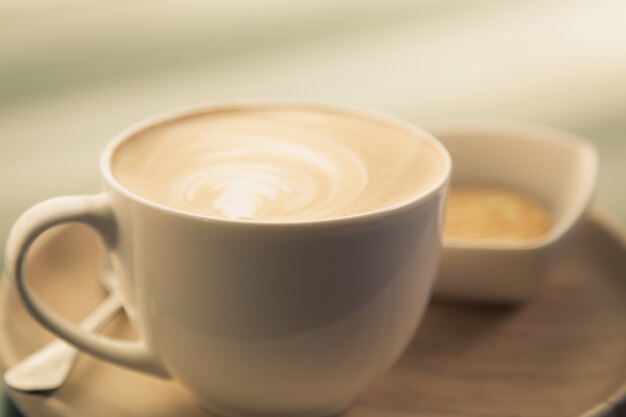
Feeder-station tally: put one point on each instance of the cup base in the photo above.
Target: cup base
(223, 411)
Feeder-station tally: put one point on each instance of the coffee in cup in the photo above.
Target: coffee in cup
(276, 164)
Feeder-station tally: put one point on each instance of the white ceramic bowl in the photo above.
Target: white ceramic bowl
(557, 168)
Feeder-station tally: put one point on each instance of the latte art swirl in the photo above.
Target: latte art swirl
(268, 178)
(275, 164)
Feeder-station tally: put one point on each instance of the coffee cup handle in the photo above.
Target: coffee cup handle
(96, 212)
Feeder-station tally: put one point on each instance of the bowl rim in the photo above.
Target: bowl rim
(585, 152)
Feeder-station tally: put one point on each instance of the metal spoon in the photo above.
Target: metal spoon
(48, 368)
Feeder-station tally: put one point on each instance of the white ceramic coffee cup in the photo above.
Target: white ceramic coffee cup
(255, 318)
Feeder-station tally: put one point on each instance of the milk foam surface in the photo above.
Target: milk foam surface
(276, 164)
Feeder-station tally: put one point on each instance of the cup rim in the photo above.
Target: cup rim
(187, 111)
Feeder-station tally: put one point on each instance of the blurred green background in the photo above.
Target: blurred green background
(74, 73)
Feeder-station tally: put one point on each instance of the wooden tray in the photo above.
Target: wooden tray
(562, 354)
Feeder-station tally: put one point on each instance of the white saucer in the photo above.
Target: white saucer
(561, 354)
